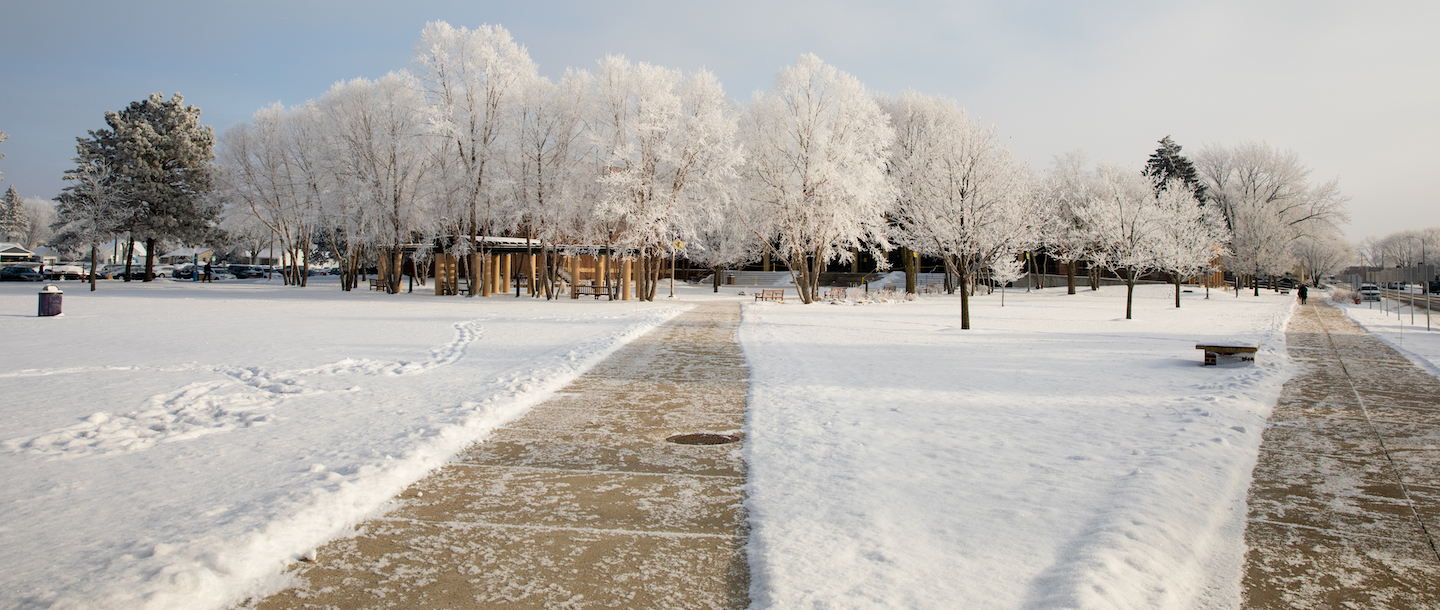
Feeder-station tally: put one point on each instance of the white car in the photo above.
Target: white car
(66, 271)
(1369, 292)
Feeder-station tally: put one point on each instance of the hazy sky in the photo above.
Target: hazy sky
(1352, 87)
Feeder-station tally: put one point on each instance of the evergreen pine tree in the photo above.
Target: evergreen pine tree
(1167, 163)
(162, 156)
(14, 222)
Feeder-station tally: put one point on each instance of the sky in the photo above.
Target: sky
(1350, 87)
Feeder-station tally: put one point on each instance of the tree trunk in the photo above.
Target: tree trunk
(1129, 292)
(1176, 275)
(93, 269)
(963, 271)
(149, 259)
(716, 278)
(129, 255)
(1070, 277)
(911, 271)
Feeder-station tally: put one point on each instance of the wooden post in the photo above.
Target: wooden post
(574, 276)
(530, 275)
(504, 271)
(625, 272)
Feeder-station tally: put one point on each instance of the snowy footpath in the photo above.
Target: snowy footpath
(1405, 330)
(1055, 456)
(172, 445)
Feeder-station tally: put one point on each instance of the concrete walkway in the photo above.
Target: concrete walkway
(1344, 510)
(581, 503)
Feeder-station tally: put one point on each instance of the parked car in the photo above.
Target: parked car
(18, 273)
(245, 271)
(1369, 292)
(67, 271)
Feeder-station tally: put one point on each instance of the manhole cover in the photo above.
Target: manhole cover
(702, 438)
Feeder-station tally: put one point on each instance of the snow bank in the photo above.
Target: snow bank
(177, 445)
(1054, 456)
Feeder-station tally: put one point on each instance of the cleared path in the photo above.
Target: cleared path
(1344, 510)
(582, 503)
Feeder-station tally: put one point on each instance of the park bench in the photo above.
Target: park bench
(595, 291)
(1213, 352)
(377, 283)
(777, 294)
(837, 294)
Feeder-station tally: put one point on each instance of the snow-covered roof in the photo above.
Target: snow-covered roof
(188, 252)
(9, 247)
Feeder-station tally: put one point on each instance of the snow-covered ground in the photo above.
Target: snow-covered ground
(1055, 456)
(1402, 328)
(174, 445)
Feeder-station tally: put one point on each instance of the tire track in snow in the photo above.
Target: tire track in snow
(247, 398)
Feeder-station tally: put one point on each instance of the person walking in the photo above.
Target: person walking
(208, 272)
(1304, 292)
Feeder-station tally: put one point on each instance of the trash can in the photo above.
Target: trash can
(50, 301)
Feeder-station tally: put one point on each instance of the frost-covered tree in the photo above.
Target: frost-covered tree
(41, 214)
(1267, 202)
(14, 222)
(380, 152)
(472, 79)
(814, 176)
(91, 209)
(546, 167)
(1324, 254)
(1126, 223)
(960, 194)
(271, 167)
(668, 149)
(1192, 235)
(1065, 238)
(161, 155)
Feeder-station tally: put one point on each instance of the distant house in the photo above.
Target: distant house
(11, 252)
(187, 255)
(280, 258)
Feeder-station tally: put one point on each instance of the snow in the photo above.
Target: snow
(1055, 456)
(177, 444)
(1405, 332)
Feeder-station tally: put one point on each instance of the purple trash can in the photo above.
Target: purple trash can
(50, 301)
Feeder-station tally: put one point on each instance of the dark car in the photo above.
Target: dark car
(20, 274)
(243, 272)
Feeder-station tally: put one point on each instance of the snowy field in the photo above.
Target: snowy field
(174, 445)
(1055, 456)
(1403, 330)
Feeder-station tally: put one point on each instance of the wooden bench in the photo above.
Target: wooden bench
(777, 294)
(377, 283)
(1213, 352)
(595, 291)
(837, 294)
